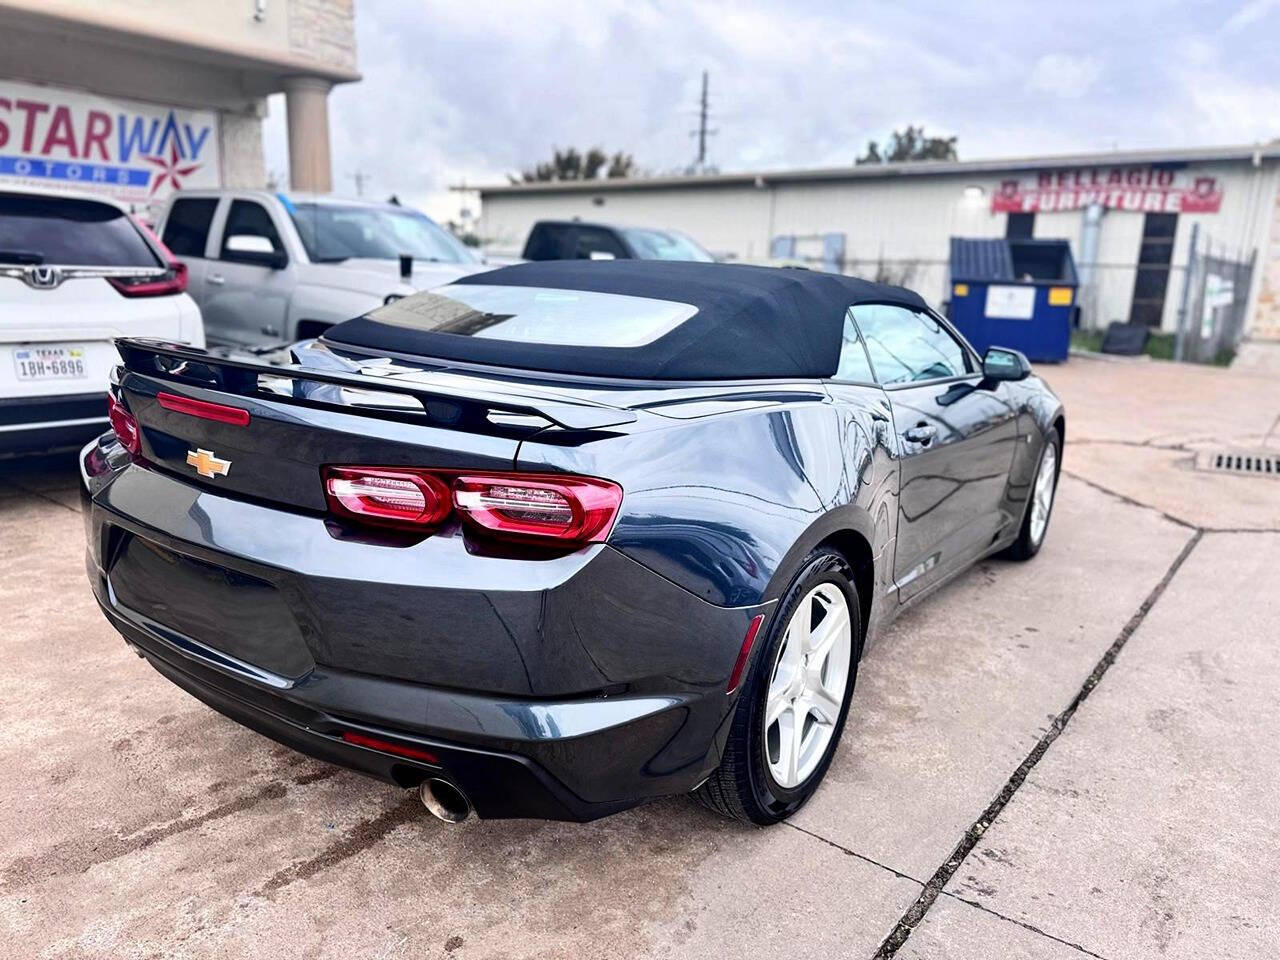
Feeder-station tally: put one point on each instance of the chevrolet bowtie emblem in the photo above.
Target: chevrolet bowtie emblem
(207, 464)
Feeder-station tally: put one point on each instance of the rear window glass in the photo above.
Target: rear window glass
(537, 315)
(69, 231)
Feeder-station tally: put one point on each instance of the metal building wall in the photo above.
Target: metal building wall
(897, 228)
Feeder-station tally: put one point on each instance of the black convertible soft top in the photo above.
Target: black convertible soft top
(750, 322)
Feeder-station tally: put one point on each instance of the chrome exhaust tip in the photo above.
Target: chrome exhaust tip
(444, 801)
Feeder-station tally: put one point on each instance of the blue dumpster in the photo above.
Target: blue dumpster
(1014, 293)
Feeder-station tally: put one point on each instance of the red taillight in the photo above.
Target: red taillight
(573, 509)
(402, 498)
(386, 746)
(173, 280)
(744, 654)
(125, 426)
(203, 409)
(511, 506)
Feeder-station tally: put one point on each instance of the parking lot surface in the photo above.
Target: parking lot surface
(1067, 758)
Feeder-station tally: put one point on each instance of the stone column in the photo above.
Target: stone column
(307, 106)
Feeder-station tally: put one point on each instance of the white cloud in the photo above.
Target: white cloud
(477, 90)
(1064, 75)
(1249, 14)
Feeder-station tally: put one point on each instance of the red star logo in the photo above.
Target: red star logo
(169, 169)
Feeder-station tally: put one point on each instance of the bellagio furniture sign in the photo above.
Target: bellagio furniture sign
(1140, 189)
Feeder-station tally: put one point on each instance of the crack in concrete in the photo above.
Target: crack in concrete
(933, 888)
(1124, 498)
(1026, 926)
(1275, 428)
(47, 499)
(1147, 444)
(854, 853)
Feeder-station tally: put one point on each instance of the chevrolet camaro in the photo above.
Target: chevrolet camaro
(563, 537)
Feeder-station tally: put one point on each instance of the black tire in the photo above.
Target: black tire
(1026, 547)
(741, 787)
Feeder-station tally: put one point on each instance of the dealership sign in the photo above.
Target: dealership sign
(134, 152)
(1141, 189)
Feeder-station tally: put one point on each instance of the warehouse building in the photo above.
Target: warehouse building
(1130, 217)
(137, 98)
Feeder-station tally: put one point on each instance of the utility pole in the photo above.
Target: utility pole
(702, 124)
(702, 132)
(361, 178)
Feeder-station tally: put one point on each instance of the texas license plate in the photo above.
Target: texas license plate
(49, 363)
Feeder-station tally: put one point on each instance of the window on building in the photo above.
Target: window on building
(187, 229)
(1020, 226)
(906, 346)
(854, 365)
(249, 219)
(1152, 279)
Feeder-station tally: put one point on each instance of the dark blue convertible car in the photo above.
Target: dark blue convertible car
(563, 537)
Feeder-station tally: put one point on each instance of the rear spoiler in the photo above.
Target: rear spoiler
(183, 364)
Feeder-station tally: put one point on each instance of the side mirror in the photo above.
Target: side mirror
(1001, 363)
(248, 248)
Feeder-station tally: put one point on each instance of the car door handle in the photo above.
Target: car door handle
(921, 433)
(217, 278)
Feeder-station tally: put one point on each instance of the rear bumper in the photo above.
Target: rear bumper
(45, 424)
(498, 783)
(574, 754)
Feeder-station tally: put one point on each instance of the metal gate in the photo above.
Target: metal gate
(1215, 296)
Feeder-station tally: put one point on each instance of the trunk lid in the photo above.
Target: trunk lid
(322, 409)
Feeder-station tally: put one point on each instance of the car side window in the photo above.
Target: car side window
(187, 230)
(590, 240)
(249, 219)
(853, 366)
(906, 345)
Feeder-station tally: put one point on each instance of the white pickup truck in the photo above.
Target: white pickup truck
(269, 268)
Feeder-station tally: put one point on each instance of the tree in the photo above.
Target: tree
(569, 164)
(910, 144)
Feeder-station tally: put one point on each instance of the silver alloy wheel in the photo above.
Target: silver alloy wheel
(1042, 495)
(807, 687)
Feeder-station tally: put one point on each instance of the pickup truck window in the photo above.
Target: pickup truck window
(665, 245)
(333, 233)
(548, 242)
(249, 219)
(186, 231)
(591, 240)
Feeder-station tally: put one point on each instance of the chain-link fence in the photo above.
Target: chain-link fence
(1211, 315)
(1207, 295)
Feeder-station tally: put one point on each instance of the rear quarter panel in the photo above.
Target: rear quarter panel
(726, 504)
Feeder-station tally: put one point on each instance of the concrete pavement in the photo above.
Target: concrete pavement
(1109, 706)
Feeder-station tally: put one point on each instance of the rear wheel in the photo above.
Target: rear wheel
(793, 705)
(1035, 522)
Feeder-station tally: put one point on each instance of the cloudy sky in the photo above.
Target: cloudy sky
(456, 92)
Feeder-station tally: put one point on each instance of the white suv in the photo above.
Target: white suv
(271, 268)
(76, 271)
